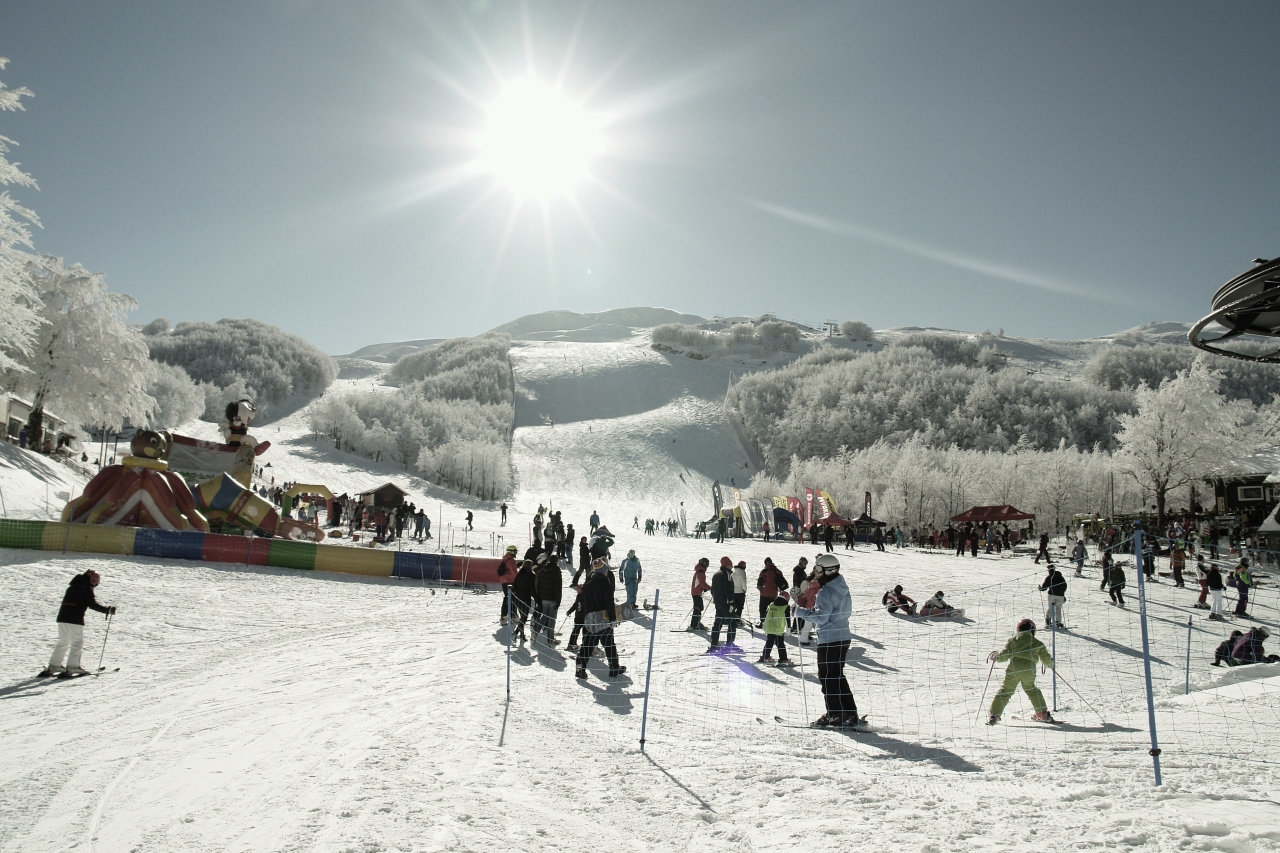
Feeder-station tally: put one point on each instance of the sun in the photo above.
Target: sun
(538, 142)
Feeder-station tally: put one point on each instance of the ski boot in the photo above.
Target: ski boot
(1043, 717)
(786, 663)
(826, 721)
(993, 719)
(614, 672)
(48, 673)
(580, 672)
(572, 647)
(764, 659)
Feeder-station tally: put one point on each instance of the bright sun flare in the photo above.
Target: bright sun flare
(538, 142)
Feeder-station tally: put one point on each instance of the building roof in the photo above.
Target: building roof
(1259, 463)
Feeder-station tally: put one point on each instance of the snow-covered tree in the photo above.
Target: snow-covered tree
(86, 363)
(856, 330)
(1181, 431)
(18, 320)
(178, 399)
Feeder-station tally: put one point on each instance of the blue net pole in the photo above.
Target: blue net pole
(1146, 647)
(1187, 691)
(648, 669)
(1053, 611)
(511, 613)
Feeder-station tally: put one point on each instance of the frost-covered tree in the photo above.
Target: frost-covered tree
(856, 330)
(86, 363)
(178, 399)
(158, 326)
(1181, 431)
(19, 319)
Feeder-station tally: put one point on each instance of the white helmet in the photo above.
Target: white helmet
(826, 564)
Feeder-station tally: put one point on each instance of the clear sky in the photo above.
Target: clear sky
(355, 172)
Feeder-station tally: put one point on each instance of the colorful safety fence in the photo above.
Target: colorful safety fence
(245, 550)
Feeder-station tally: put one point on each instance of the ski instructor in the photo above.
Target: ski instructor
(78, 598)
(832, 607)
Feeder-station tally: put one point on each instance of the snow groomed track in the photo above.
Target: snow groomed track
(245, 550)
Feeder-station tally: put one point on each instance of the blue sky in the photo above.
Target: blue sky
(1059, 170)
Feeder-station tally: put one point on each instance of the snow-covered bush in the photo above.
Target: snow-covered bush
(277, 366)
(1129, 367)
(460, 369)
(856, 330)
(768, 336)
(178, 399)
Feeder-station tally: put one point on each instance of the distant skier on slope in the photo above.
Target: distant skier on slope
(76, 600)
(503, 509)
(1022, 651)
(1078, 555)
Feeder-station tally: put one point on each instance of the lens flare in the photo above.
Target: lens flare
(538, 142)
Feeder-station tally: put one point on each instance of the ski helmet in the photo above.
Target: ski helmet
(1263, 632)
(827, 564)
(704, 562)
(511, 549)
(1026, 625)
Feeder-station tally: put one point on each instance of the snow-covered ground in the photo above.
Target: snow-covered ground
(263, 709)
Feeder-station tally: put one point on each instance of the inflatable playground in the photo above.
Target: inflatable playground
(179, 498)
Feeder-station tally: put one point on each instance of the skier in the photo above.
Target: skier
(739, 589)
(775, 626)
(631, 575)
(1213, 579)
(896, 598)
(1056, 586)
(830, 614)
(1044, 548)
(1022, 651)
(1078, 554)
(771, 583)
(1249, 649)
(595, 521)
(1242, 581)
(722, 595)
(426, 526)
(549, 588)
(1222, 654)
(798, 576)
(1116, 584)
(507, 570)
(1202, 577)
(523, 590)
(503, 509)
(698, 587)
(596, 601)
(584, 554)
(828, 537)
(78, 598)
(722, 527)
(470, 518)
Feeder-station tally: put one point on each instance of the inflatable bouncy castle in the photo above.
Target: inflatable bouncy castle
(148, 489)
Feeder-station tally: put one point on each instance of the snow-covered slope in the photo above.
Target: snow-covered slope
(269, 710)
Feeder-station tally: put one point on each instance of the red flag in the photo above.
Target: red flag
(808, 507)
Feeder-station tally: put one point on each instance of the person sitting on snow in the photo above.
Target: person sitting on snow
(1222, 654)
(896, 598)
(1249, 649)
(936, 606)
(1022, 652)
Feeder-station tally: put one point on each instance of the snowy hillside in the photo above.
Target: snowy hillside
(271, 710)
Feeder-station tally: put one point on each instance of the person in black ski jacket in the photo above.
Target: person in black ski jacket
(584, 555)
(76, 600)
(524, 590)
(1222, 654)
(722, 595)
(798, 576)
(1056, 586)
(1044, 548)
(1213, 578)
(771, 583)
(549, 588)
(599, 615)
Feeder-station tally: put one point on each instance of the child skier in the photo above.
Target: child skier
(896, 598)
(1022, 651)
(1222, 654)
(775, 626)
(1116, 582)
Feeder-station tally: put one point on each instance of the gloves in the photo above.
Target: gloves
(992, 657)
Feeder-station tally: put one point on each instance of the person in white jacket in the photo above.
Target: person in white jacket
(830, 613)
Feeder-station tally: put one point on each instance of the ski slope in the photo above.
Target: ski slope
(270, 710)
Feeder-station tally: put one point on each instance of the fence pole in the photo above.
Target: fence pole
(1187, 691)
(1053, 611)
(648, 670)
(511, 614)
(1146, 648)
(248, 552)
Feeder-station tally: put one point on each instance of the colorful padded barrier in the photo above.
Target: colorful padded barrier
(223, 548)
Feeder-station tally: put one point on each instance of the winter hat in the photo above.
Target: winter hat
(898, 589)
(804, 561)
(742, 564)
(704, 562)
(598, 563)
(938, 594)
(768, 561)
(1026, 625)
(511, 549)
(782, 599)
(826, 564)
(631, 554)
(726, 562)
(1263, 632)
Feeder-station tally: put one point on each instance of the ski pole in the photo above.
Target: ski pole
(1082, 699)
(104, 642)
(983, 700)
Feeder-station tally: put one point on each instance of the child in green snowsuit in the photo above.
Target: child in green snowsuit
(775, 626)
(1022, 652)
